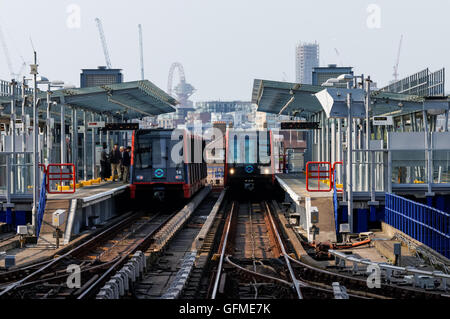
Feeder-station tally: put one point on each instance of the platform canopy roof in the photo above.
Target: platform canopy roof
(132, 100)
(284, 98)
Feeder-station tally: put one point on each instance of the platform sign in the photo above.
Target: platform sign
(382, 120)
(121, 126)
(96, 124)
(299, 125)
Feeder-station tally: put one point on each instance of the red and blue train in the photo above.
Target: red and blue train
(166, 163)
(249, 159)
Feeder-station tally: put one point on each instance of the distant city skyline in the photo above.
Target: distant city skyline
(224, 46)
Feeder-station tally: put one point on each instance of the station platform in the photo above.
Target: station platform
(295, 187)
(89, 193)
(86, 209)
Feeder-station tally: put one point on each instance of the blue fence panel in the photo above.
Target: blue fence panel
(426, 224)
(41, 207)
(336, 207)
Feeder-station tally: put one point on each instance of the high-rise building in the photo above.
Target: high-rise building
(306, 58)
(321, 74)
(100, 76)
(223, 106)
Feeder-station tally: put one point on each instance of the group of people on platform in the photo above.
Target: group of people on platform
(117, 161)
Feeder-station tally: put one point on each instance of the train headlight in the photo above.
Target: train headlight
(232, 171)
(266, 171)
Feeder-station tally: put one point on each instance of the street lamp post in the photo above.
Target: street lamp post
(34, 72)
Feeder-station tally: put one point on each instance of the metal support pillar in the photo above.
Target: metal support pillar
(333, 141)
(36, 183)
(446, 121)
(349, 163)
(75, 141)
(108, 138)
(428, 152)
(49, 137)
(327, 137)
(339, 154)
(24, 120)
(369, 157)
(63, 134)
(12, 172)
(100, 131)
(85, 146)
(322, 137)
(93, 147)
(353, 154)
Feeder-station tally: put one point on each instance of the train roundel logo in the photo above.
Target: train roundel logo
(249, 169)
(159, 173)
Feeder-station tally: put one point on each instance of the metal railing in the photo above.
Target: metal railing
(16, 173)
(319, 172)
(426, 224)
(65, 173)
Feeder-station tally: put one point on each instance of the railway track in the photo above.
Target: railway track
(166, 264)
(249, 258)
(97, 259)
(254, 261)
(356, 287)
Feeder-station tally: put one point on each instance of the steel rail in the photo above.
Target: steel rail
(295, 282)
(362, 282)
(74, 251)
(284, 282)
(140, 245)
(222, 254)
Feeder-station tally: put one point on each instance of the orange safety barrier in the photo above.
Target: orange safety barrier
(326, 176)
(61, 177)
(320, 175)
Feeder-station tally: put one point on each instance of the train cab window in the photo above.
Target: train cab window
(143, 153)
(235, 150)
(250, 149)
(159, 153)
(264, 151)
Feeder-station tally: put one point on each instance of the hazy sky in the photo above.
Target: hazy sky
(224, 45)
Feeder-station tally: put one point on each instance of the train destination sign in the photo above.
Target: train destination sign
(299, 125)
(121, 126)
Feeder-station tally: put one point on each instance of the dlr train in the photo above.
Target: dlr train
(249, 159)
(166, 164)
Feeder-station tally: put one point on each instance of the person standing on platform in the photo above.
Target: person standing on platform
(104, 164)
(121, 149)
(126, 162)
(115, 159)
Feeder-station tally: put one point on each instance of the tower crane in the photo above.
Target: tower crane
(338, 56)
(7, 56)
(141, 50)
(103, 40)
(398, 60)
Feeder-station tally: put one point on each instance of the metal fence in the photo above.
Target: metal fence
(16, 173)
(426, 224)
